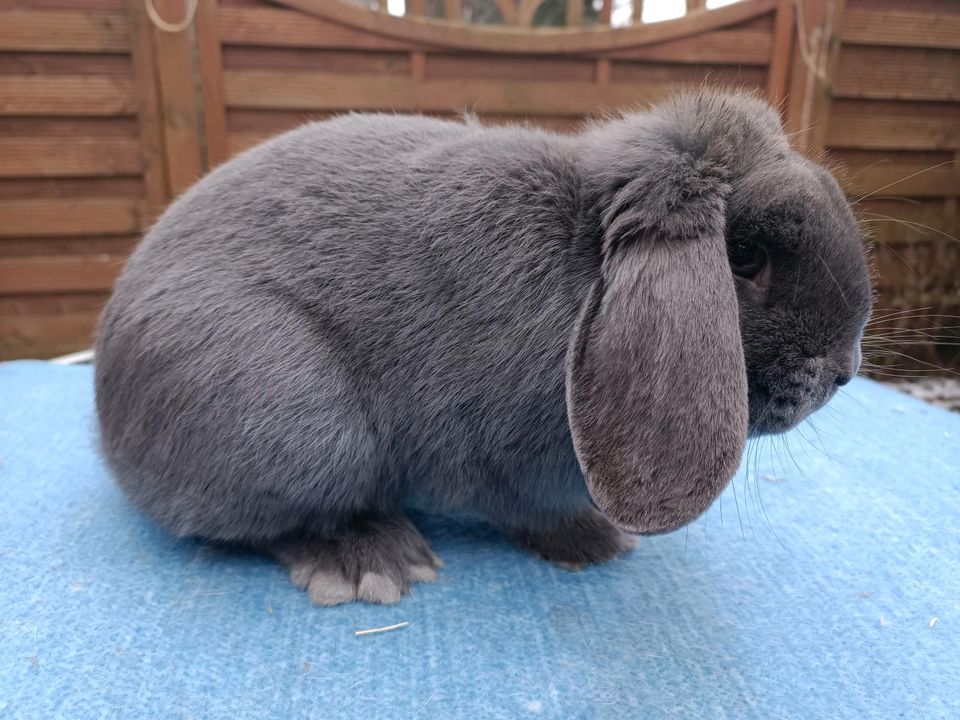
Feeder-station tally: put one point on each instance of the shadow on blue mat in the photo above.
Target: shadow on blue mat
(824, 583)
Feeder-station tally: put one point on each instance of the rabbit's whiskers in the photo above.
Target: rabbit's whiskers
(880, 217)
(898, 181)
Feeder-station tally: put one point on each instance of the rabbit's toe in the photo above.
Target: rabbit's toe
(375, 560)
(330, 588)
(575, 543)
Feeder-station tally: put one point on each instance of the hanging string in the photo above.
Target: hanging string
(162, 24)
(814, 53)
(808, 48)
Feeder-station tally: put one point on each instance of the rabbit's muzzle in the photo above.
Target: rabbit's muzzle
(782, 398)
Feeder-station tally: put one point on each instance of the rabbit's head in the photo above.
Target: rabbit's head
(732, 296)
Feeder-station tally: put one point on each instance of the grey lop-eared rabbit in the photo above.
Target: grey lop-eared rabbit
(571, 335)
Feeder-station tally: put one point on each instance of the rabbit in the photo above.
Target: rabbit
(569, 335)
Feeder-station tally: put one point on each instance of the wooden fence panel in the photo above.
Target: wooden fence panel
(308, 60)
(895, 127)
(105, 118)
(73, 175)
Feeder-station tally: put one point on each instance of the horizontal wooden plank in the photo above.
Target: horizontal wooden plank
(237, 142)
(238, 57)
(876, 124)
(287, 28)
(910, 181)
(58, 274)
(903, 26)
(941, 7)
(924, 210)
(70, 187)
(65, 156)
(54, 30)
(895, 224)
(58, 304)
(330, 92)
(65, 63)
(897, 73)
(115, 5)
(725, 47)
(66, 95)
(58, 218)
(117, 126)
(49, 349)
(508, 66)
(84, 245)
(646, 72)
(26, 331)
(270, 121)
(863, 158)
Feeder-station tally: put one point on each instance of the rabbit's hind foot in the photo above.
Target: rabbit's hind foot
(374, 560)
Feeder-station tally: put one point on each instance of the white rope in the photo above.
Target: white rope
(815, 54)
(162, 24)
(814, 46)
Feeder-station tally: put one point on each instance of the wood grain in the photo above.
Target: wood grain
(69, 156)
(210, 61)
(331, 92)
(898, 73)
(66, 95)
(727, 47)
(56, 30)
(181, 110)
(868, 124)
(902, 26)
(59, 274)
(74, 216)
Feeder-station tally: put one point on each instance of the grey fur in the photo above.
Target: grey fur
(576, 542)
(375, 560)
(377, 309)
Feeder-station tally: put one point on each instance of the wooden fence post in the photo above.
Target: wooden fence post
(181, 112)
(815, 55)
(211, 84)
(180, 96)
(778, 76)
(149, 111)
(453, 10)
(606, 12)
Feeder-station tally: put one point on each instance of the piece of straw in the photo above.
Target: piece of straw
(374, 631)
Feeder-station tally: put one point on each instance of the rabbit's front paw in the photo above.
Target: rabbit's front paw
(375, 560)
(577, 542)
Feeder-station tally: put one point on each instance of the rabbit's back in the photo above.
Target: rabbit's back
(360, 310)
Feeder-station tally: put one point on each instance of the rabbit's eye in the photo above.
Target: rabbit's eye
(748, 259)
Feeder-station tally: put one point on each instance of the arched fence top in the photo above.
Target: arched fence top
(444, 34)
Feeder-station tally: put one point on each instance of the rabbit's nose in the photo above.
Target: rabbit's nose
(849, 366)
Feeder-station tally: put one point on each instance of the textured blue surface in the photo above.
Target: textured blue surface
(816, 603)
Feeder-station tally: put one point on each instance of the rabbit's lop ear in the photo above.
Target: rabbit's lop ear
(656, 382)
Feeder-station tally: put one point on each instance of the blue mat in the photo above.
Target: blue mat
(825, 584)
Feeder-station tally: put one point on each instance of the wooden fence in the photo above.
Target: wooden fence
(892, 122)
(104, 118)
